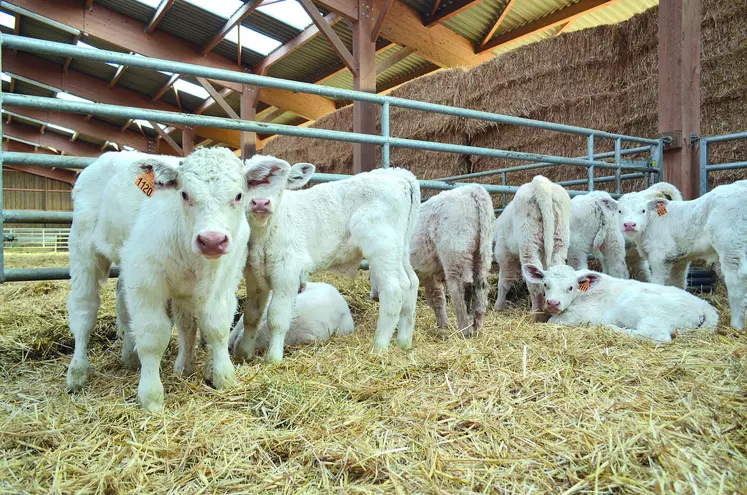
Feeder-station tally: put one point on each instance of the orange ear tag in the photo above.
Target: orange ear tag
(146, 182)
(584, 286)
(661, 209)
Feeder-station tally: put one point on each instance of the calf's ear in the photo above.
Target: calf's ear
(299, 175)
(589, 279)
(266, 170)
(532, 273)
(165, 174)
(658, 204)
(607, 204)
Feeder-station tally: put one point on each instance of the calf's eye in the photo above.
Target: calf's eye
(570, 288)
(643, 211)
(238, 197)
(185, 196)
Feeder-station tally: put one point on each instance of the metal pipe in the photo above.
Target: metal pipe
(57, 105)
(385, 133)
(2, 221)
(36, 216)
(726, 137)
(57, 273)
(106, 56)
(618, 186)
(606, 154)
(590, 156)
(504, 200)
(39, 18)
(52, 161)
(703, 155)
(727, 166)
(599, 180)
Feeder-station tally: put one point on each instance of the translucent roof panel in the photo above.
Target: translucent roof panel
(253, 40)
(223, 8)
(7, 20)
(67, 96)
(191, 88)
(150, 3)
(60, 128)
(288, 11)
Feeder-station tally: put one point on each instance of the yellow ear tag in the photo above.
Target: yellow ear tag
(661, 209)
(584, 286)
(146, 182)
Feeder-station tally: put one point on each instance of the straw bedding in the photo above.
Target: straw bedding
(521, 408)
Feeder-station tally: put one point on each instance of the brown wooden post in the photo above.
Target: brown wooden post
(188, 140)
(247, 112)
(364, 114)
(679, 91)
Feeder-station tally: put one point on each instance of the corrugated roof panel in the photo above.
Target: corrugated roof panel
(189, 101)
(131, 8)
(542, 35)
(422, 6)
(269, 26)
(96, 69)
(191, 23)
(24, 88)
(143, 80)
(612, 14)
(35, 29)
(289, 118)
(474, 23)
(409, 65)
(228, 49)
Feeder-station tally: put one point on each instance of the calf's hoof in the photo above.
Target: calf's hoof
(184, 367)
(77, 375)
(405, 345)
(223, 376)
(150, 397)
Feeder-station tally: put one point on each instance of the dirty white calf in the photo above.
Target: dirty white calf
(637, 308)
(534, 228)
(453, 244)
(638, 266)
(320, 313)
(672, 234)
(330, 226)
(594, 231)
(185, 242)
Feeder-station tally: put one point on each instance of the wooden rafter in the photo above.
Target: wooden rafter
(394, 59)
(307, 35)
(59, 174)
(235, 20)
(89, 4)
(117, 75)
(337, 45)
(166, 86)
(272, 115)
(209, 102)
(17, 28)
(380, 20)
(163, 135)
(127, 124)
(454, 8)
(215, 95)
(31, 134)
(69, 60)
(346, 8)
(557, 18)
(498, 22)
(159, 14)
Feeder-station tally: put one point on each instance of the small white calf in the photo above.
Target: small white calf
(637, 308)
(637, 266)
(320, 313)
(672, 234)
(330, 226)
(452, 243)
(534, 228)
(186, 241)
(594, 231)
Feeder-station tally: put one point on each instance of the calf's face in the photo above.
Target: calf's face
(562, 284)
(632, 214)
(211, 185)
(267, 178)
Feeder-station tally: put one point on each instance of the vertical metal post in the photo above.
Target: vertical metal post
(618, 186)
(503, 195)
(590, 156)
(385, 133)
(2, 217)
(703, 166)
(659, 161)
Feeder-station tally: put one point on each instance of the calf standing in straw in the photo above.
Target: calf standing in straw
(637, 308)
(180, 233)
(534, 228)
(452, 243)
(330, 226)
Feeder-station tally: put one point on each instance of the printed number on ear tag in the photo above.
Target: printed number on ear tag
(661, 209)
(147, 183)
(584, 286)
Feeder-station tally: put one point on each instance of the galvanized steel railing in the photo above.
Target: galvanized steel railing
(591, 161)
(706, 167)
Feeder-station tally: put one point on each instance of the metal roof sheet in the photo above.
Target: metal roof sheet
(131, 8)
(191, 23)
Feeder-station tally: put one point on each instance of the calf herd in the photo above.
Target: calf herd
(185, 231)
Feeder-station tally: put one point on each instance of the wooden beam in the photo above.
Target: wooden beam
(380, 19)
(89, 4)
(679, 91)
(127, 124)
(235, 20)
(248, 112)
(188, 140)
(159, 14)
(59, 142)
(272, 115)
(162, 134)
(558, 17)
(218, 98)
(454, 8)
(364, 114)
(312, 109)
(498, 22)
(69, 60)
(394, 59)
(117, 75)
(16, 29)
(59, 174)
(337, 45)
(437, 44)
(346, 8)
(301, 39)
(166, 86)
(211, 101)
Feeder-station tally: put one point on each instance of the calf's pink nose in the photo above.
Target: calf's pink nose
(553, 303)
(212, 243)
(629, 225)
(260, 204)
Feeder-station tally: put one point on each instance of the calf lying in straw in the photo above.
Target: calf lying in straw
(641, 309)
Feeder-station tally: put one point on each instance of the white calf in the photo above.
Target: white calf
(637, 308)
(452, 243)
(320, 313)
(330, 226)
(672, 234)
(594, 231)
(185, 242)
(534, 228)
(637, 266)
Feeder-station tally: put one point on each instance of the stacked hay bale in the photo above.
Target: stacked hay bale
(604, 78)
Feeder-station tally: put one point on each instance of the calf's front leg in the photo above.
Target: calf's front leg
(243, 340)
(279, 316)
(151, 328)
(215, 324)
